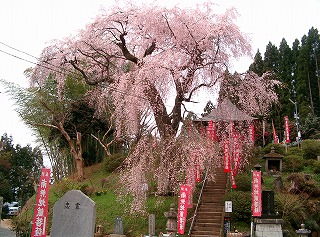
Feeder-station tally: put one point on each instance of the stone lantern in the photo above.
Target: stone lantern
(273, 162)
(172, 219)
(303, 232)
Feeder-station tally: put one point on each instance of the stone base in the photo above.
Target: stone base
(234, 234)
(117, 235)
(268, 227)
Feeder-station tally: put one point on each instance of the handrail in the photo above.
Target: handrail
(198, 203)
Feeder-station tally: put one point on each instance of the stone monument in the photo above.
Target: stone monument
(172, 219)
(269, 224)
(1, 204)
(118, 228)
(74, 215)
(152, 225)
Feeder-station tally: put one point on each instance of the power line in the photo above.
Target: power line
(60, 70)
(18, 50)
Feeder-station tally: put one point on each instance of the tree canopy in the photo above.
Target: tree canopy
(142, 56)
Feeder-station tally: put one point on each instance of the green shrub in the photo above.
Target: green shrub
(278, 148)
(311, 149)
(64, 185)
(316, 167)
(293, 163)
(113, 162)
(86, 189)
(303, 184)
(243, 182)
(291, 207)
(295, 151)
(241, 205)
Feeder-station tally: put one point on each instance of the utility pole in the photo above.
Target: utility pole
(296, 115)
(317, 69)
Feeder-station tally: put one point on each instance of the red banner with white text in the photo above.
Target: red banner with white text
(256, 193)
(183, 207)
(226, 156)
(251, 134)
(233, 180)
(236, 152)
(275, 136)
(41, 207)
(212, 131)
(287, 129)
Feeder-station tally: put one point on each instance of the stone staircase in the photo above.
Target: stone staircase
(209, 217)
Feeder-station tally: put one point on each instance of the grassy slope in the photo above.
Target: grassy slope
(109, 205)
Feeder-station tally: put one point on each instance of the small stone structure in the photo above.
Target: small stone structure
(268, 228)
(172, 219)
(273, 162)
(118, 228)
(74, 215)
(1, 204)
(303, 231)
(152, 225)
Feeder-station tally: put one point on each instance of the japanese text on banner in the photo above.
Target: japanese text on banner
(182, 208)
(256, 193)
(41, 207)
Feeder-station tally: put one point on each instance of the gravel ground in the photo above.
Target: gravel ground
(4, 229)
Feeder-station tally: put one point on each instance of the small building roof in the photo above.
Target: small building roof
(226, 112)
(273, 155)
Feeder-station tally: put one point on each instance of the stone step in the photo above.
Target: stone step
(214, 233)
(205, 228)
(208, 221)
(215, 220)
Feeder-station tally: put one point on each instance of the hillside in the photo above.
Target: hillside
(109, 204)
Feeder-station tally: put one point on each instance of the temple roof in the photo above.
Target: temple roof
(226, 112)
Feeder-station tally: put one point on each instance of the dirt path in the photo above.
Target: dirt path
(5, 223)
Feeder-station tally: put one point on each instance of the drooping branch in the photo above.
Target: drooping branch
(125, 50)
(150, 49)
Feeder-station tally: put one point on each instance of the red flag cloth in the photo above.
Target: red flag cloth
(226, 156)
(251, 134)
(275, 136)
(287, 129)
(233, 181)
(256, 193)
(41, 208)
(236, 152)
(183, 208)
(212, 131)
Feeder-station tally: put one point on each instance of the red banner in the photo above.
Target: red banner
(41, 207)
(190, 181)
(212, 131)
(251, 134)
(183, 207)
(275, 136)
(236, 152)
(256, 193)
(287, 129)
(233, 181)
(226, 156)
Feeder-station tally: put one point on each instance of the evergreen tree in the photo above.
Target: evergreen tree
(24, 171)
(271, 58)
(257, 65)
(6, 152)
(285, 71)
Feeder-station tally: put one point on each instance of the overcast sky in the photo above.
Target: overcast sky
(29, 25)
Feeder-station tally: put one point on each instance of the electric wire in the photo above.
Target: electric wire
(60, 71)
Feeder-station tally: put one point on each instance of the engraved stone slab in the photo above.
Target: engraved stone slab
(74, 215)
(268, 230)
(152, 224)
